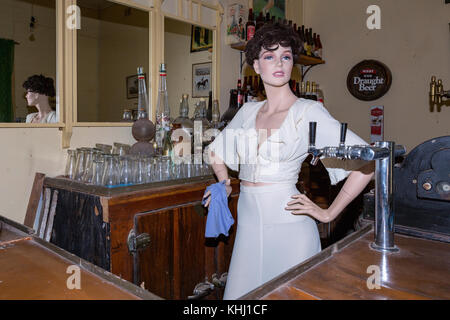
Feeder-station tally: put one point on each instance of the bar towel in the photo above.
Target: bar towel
(219, 219)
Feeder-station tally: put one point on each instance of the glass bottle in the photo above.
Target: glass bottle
(142, 97)
(232, 108)
(162, 108)
(71, 163)
(126, 173)
(209, 110)
(215, 114)
(110, 174)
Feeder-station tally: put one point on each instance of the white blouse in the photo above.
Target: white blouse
(279, 158)
(49, 118)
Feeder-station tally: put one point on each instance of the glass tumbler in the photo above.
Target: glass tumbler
(81, 162)
(71, 163)
(110, 173)
(97, 172)
(126, 172)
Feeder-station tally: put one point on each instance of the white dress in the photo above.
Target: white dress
(269, 239)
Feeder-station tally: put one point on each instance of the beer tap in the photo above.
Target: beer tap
(437, 91)
(384, 153)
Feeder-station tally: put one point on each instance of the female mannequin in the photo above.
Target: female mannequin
(39, 89)
(276, 229)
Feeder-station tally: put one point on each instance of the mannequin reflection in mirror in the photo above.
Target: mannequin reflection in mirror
(39, 90)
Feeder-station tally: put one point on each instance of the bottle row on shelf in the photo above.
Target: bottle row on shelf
(311, 43)
(252, 90)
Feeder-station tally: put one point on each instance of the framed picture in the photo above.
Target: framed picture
(132, 86)
(201, 39)
(276, 8)
(201, 79)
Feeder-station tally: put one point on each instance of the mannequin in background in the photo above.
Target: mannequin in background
(39, 89)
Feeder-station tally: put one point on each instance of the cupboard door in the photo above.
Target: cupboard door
(154, 264)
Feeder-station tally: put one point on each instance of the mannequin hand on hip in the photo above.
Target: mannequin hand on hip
(227, 188)
(303, 205)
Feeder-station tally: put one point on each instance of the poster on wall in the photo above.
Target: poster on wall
(201, 79)
(376, 123)
(276, 8)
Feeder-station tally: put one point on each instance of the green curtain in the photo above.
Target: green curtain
(6, 71)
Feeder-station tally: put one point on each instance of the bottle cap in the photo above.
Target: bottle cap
(140, 70)
(162, 67)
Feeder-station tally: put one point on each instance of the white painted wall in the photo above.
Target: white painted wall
(414, 42)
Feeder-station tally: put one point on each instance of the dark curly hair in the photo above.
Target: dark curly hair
(40, 84)
(272, 35)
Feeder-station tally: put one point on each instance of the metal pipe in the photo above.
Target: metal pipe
(384, 204)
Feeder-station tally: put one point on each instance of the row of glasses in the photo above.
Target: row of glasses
(93, 166)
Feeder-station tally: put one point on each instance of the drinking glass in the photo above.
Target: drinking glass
(97, 172)
(126, 172)
(81, 162)
(71, 163)
(106, 148)
(87, 174)
(110, 173)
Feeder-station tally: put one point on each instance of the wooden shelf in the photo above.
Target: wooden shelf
(303, 60)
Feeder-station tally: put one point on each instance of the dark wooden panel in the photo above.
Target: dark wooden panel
(192, 251)
(156, 261)
(78, 227)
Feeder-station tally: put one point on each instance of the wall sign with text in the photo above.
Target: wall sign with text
(369, 80)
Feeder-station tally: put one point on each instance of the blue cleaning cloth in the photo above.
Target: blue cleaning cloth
(219, 219)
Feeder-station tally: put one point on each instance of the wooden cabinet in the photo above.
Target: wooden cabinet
(152, 235)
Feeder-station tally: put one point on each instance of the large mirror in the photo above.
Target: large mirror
(28, 61)
(112, 43)
(188, 55)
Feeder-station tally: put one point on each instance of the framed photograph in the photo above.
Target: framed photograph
(201, 39)
(201, 79)
(132, 86)
(276, 8)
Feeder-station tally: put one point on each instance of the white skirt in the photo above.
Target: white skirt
(269, 239)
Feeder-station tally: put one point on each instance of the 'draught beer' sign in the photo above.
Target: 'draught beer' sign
(369, 80)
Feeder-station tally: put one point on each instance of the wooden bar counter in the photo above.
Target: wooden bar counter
(420, 270)
(152, 234)
(31, 268)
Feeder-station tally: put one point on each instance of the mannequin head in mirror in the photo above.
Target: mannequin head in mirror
(39, 90)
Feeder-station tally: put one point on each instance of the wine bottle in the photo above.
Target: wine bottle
(302, 92)
(240, 94)
(250, 26)
(232, 108)
(259, 21)
(215, 114)
(319, 50)
(308, 90)
(209, 110)
(313, 95)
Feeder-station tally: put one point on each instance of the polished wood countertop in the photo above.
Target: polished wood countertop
(33, 269)
(420, 270)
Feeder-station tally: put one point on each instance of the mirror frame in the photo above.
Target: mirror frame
(60, 94)
(66, 59)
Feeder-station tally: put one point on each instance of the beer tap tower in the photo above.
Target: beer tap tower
(437, 91)
(384, 153)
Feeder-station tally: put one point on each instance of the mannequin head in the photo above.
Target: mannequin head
(39, 89)
(269, 38)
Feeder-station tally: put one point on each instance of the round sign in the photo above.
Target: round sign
(369, 80)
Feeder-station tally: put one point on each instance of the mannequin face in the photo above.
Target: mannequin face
(275, 67)
(32, 98)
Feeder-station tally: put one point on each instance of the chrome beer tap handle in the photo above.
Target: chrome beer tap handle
(316, 153)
